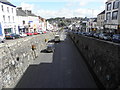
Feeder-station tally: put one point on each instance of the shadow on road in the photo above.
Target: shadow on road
(67, 70)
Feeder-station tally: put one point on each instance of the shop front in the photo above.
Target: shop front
(8, 30)
(21, 29)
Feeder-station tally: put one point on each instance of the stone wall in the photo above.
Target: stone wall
(102, 56)
(17, 55)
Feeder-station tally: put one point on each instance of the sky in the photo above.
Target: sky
(62, 8)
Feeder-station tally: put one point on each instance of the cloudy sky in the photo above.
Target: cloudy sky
(62, 8)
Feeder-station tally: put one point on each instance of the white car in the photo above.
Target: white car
(23, 35)
(2, 39)
(57, 38)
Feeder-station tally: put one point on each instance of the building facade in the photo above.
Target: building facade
(22, 20)
(42, 24)
(112, 16)
(8, 17)
(91, 25)
(100, 21)
(27, 21)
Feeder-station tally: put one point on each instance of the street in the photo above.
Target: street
(65, 68)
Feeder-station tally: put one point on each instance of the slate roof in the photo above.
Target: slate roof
(21, 12)
(103, 12)
(29, 13)
(95, 20)
(7, 2)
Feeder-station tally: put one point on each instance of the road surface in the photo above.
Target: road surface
(65, 68)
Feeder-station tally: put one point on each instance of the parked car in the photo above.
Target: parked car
(39, 32)
(90, 34)
(2, 39)
(116, 38)
(83, 33)
(12, 36)
(101, 36)
(29, 33)
(57, 38)
(105, 36)
(96, 35)
(50, 47)
(75, 32)
(44, 32)
(80, 33)
(35, 33)
(23, 35)
(87, 34)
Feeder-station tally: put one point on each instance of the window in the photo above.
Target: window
(109, 6)
(115, 15)
(8, 9)
(3, 18)
(116, 5)
(12, 10)
(13, 18)
(2, 7)
(108, 16)
(9, 18)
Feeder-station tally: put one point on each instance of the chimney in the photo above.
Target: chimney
(29, 11)
(19, 8)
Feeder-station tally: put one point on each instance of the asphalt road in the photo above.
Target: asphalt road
(65, 68)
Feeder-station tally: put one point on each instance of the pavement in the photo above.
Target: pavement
(65, 68)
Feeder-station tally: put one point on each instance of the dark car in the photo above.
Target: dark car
(96, 35)
(75, 32)
(116, 38)
(79, 33)
(12, 36)
(50, 47)
(105, 36)
(101, 36)
(90, 34)
(83, 33)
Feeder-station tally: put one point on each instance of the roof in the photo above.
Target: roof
(103, 12)
(21, 12)
(6, 2)
(94, 19)
(29, 13)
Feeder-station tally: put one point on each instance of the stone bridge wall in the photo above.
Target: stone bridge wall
(17, 55)
(102, 56)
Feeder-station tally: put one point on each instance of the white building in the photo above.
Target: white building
(27, 21)
(112, 16)
(8, 17)
(49, 26)
(91, 25)
(22, 20)
(100, 21)
(42, 24)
